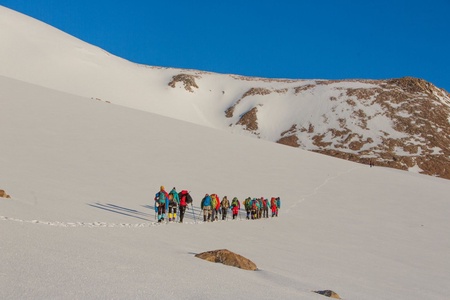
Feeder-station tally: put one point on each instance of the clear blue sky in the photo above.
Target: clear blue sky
(330, 39)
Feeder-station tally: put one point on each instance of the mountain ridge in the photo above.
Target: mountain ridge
(401, 123)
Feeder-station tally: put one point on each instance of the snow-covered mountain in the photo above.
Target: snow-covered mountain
(82, 173)
(402, 123)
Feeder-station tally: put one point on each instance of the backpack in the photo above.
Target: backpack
(273, 201)
(188, 198)
(247, 203)
(215, 203)
(160, 198)
(206, 201)
(264, 202)
(225, 203)
(184, 198)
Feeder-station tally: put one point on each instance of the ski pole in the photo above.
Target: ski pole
(193, 213)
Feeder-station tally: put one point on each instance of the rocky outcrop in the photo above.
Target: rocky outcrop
(400, 123)
(3, 194)
(228, 258)
(187, 80)
(328, 293)
(249, 120)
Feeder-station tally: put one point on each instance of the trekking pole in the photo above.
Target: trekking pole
(193, 213)
(199, 214)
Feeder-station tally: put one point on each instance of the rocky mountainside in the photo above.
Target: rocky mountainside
(400, 123)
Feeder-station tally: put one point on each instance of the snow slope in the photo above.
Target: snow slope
(80, 224)
(82, 174)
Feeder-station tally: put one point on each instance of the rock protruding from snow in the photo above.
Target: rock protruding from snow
(3, 194)
(328, 293)
(187, 80)
(228, 258)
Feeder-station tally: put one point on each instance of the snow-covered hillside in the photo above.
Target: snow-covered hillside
(82, 174)
(400, 123)
(81, 224)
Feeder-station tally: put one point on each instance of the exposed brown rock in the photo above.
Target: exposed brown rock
(256, 91)
(249, 120)
(412, 85)
(3, 194)
(187, 80)
(303, 88)
(328, 293)
(228, 258)
(291, 140)
(251, 92)
(416, 110)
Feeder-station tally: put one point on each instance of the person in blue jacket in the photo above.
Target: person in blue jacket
(206, 207)
(161, 202)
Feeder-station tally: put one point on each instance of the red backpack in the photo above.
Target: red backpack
(183, 195)
(273, 201)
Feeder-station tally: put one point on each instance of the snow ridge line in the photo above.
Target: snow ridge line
(319, 187)
(88, 224)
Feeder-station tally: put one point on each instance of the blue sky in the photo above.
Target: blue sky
(328, 39)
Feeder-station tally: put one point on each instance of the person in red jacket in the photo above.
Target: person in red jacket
(183, 203)
(274, 206)
(265, 207)
(235, 206)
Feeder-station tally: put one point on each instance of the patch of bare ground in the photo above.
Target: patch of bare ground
(363, 94)
(291, 140)
(318, 141)
(256, 91)
(247, 78)
(230, 111)
(412, 85)
(249, 120)
(251, 92)
(300, 89)
(416, 112)
(187, 80)
(291, 130)
(281, 91)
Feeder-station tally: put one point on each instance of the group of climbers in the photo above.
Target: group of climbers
(169, 202)
(256, 208)
(212, 207)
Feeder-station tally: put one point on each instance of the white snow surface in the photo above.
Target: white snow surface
(83, 173)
